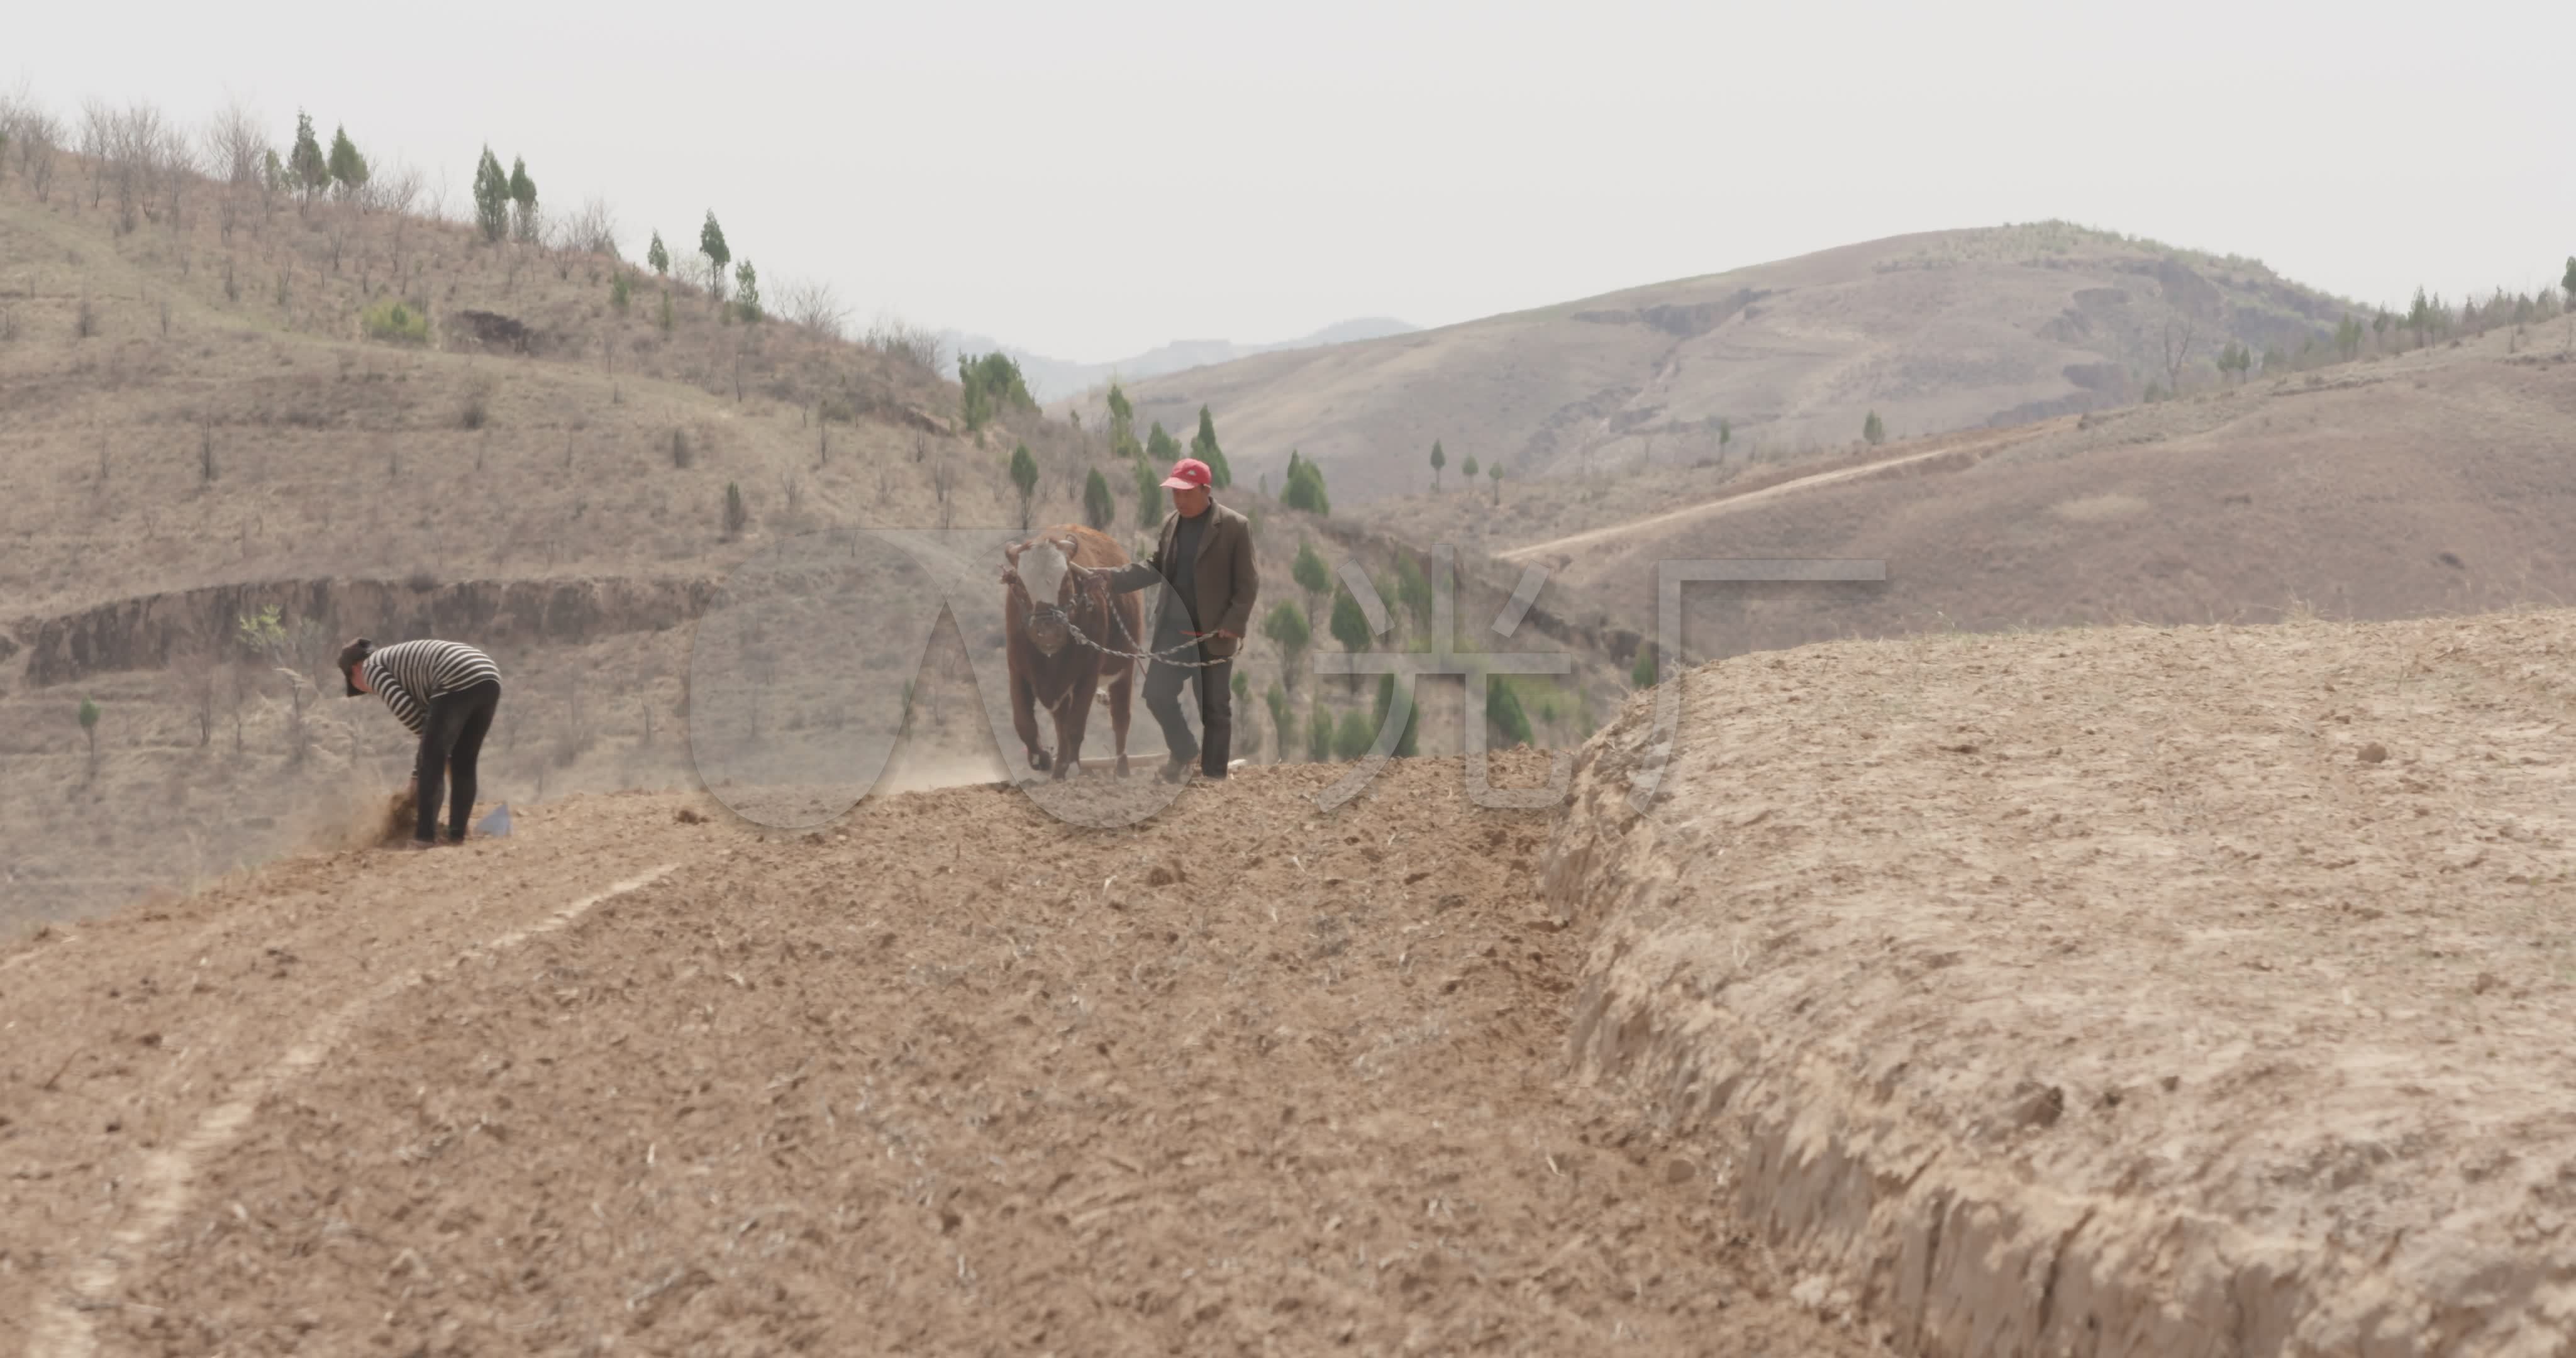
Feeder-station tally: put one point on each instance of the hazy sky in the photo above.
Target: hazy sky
(1089, 180)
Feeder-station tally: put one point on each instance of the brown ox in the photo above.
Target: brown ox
(1052, 669)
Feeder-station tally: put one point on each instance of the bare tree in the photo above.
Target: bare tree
(593, 230)
(943, 480)
(814, 305)
(97, 120)
(36, 138)
(233, 151)
(33, 134)
(2180, 332)
(195, 677)
(905, 342)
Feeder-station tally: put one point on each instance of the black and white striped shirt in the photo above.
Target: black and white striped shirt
(407, 675)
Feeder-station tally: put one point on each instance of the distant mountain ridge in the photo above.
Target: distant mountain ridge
(1769, 362)
(1052, 379)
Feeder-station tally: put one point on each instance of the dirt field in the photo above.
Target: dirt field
(2128, 991)
(949, 1078)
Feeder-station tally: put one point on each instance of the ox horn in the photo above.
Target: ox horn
(1011, 551)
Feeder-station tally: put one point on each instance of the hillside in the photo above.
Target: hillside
(196, 425)
(2438, 481)
(1934, 332)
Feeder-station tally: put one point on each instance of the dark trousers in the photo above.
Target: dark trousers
(1216, 709)
(449, 741)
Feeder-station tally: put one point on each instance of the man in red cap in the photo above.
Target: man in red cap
(1204, 553)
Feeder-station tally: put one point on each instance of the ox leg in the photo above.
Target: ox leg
(1122, 693)
(1070, 720)
(1024, 719)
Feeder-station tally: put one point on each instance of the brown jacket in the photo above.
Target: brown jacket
(1227, 580)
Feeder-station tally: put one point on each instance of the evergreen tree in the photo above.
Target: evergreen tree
(1469, 469)
(1099, 508)
(618, 291)
(1122, 425)
(2567, 283)
(1161, 449)
(1503, 714)
(1725, 436)
(1283, 717)
(1439, 459)
(89, 729)
(1024, 478)
(1149, 494)
(1350, 626)
(491, 197)
(523, 193)
(1203, 447)
(1871, 431)
(666, 311)
(312, 169)
(1286, 627)
(746, 290)
(1309, 573)
(711, 243)
(1494, 473)
(657, 256)
(1354, 737)
(1305, 489)
(1408, 744)
(348, 168)
(1319, 734)
(2419, 317)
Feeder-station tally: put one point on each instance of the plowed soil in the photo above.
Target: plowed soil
(2131, 991)
(950, 1076)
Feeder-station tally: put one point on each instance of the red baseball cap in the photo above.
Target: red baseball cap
(1188, 474)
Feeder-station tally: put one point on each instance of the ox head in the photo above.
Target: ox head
(1044, 590)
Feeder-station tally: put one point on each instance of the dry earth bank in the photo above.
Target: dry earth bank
(2129, 991)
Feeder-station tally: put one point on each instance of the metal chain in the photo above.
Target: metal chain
(1158, 657)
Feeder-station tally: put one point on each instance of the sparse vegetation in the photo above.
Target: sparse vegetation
(1439, 459)
(1642, 674)
(1872, 432)
(737, 516)
(746, 292)
(991, 384)
(398, 322)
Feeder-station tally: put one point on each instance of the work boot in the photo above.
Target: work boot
(1175, 770)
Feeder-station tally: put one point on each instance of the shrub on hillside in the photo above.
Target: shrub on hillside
(397, 322)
